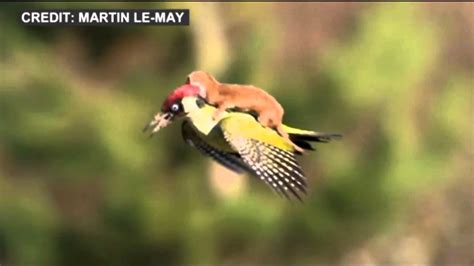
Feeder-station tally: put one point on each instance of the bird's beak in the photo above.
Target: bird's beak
(160, 121)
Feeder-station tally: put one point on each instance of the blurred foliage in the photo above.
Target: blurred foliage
(81, 185)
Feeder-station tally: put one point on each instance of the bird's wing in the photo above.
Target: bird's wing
(230, 160)
(276, 166)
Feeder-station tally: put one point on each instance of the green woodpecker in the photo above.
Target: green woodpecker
(238, 141)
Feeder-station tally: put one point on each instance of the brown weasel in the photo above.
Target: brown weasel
(247, 97)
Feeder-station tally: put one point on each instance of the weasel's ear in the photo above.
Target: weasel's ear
(202, 89)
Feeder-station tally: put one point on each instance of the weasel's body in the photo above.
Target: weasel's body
(247, 97)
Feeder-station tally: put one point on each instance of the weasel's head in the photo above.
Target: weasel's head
(203, 80)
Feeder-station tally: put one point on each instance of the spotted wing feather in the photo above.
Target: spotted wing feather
(276, 167)
(230, 160)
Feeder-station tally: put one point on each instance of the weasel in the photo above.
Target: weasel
(247, 97)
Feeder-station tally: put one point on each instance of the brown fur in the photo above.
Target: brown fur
(247, 97)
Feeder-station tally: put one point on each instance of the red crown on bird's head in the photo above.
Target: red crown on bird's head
(179, 93)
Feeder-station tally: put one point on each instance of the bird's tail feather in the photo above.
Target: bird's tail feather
(302, 137)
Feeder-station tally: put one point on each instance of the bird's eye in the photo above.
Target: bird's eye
(174, 108)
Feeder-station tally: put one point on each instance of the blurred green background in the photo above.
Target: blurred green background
(81, 185)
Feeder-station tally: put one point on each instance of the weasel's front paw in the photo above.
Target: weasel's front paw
(216, 116)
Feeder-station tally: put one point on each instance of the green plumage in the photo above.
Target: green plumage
(240, 143)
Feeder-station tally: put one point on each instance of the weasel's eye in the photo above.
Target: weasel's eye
(174, 108)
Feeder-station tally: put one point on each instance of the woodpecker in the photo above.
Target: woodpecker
(238, 141)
